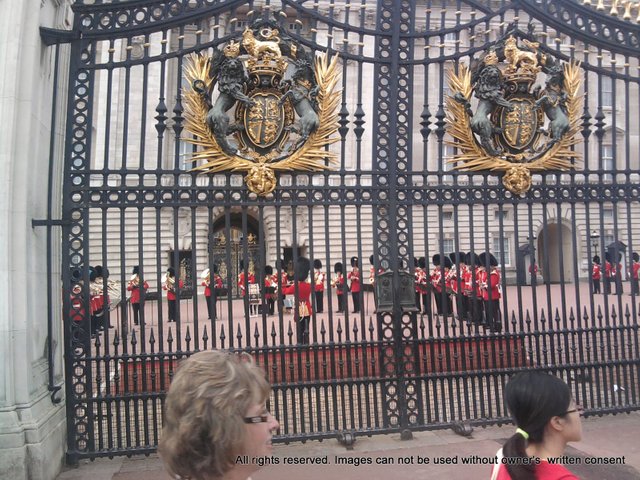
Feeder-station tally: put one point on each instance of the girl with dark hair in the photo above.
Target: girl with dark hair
(547, 419)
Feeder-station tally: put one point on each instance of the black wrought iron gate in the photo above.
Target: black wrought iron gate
(393, 201)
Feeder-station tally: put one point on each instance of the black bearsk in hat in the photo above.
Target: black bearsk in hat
(436, 259)
(488, 258)
(337, 268)
(457, 257)
(171, 272)
(268, 270)
(422, 262)
(136, 270)
(317, 264)
(635, 256)
(216, 268)
(303, 265)
(596, 259)
(447, 262)
(354, 262)
(471, 259)
(371, 259)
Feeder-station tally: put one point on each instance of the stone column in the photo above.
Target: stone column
(32, 426)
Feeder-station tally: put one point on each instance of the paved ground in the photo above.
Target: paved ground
(604, 439)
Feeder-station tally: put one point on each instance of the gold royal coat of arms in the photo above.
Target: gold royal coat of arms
(276, 107)
(515, 128)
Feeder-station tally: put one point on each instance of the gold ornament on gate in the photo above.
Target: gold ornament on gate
(516, 127)
(260, 123)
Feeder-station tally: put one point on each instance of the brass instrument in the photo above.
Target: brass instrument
(134, 281)
(168, 282)
(206, 276)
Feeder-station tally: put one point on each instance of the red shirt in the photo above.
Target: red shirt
(319, 278)
(436, 279)
(636, 270)
(338, 282)
(252, 279)
(217, 283)
(270, 281)
(544, 471)
(135, 291)
(304, 293)
(596, 272)
(354, 278)
(607, 270)
(171, 294)
(421, 281)
(492, 282)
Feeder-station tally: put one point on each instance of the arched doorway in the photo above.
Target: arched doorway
(227, 248)
(556, 249)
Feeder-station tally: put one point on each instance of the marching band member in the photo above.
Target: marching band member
(244, 285)
(169, 285)
(470, 288)
(457, 277)
(353, 278)
(319, 279)
(210, 294)
(270, 289)
(303, 301)
(338, 284)
(596, 274)
(134, 287)
(490, 284)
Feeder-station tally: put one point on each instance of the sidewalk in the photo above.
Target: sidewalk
(603, 437)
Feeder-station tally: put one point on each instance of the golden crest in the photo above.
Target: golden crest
(280, 125)
(506, 131)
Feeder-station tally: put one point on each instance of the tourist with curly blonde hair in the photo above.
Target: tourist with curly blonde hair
(216, 424)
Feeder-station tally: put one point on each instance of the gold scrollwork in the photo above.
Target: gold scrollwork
(311, 156)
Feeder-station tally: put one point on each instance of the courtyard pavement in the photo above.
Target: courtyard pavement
(612, 438)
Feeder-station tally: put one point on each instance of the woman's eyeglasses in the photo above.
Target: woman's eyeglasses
(579, 409)
(258, 418)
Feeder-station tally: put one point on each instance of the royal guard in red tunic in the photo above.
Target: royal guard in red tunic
(134, 287)
(353, 277)
(270, 289)
(635, 273)
(319, 280)
(338, 283)
(211, 289)
(608, 273)
(471, 288)
(245, 289)
(303, 307)
(458, 284)
(596, 274)
(169, 285)
(490, 284)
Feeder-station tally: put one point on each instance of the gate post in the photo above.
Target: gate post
(392, 214)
